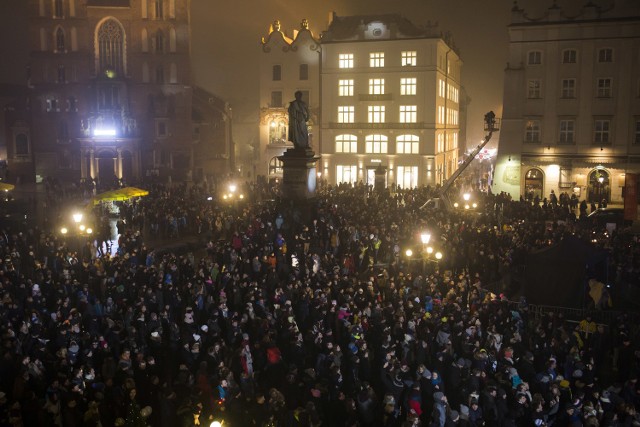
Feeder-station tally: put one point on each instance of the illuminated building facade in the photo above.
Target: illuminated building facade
(110, 96)
(571, 119)
(386, 100)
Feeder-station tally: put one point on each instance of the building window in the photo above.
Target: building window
(605, 55)
(72, 104)
(408, 86)
(345, 87)
(158, 9)
(440, 143)
(409, 58)
(567, 131)
(636, 134)
(161, 129)
(305, 97)
(442, 87)
(276, 99)
(532, 131)
(376, 144)
(63, 131)
(346, 114)
(569, 56)
(277, 132)
(441, 114)
(376, 59)
(407, 144)
(407, 177)
(51, 105)
(304, 71)
(408, 114)
(565, 178)
(345, 60)
(346, 144)
(376, 114)
(60, 45)
(159, 41)
(275, 166)
(276, 73)
(376, 86)
(65, 159)
(604, 88)
(602, 131)
(568, 88)
(534, 57)
(111, 47)
(534, 89)
(62, 75)
(160, 74)
(347, 174)
(58, 11)
(21, 144)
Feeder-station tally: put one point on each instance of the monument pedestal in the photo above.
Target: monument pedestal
(299, 174)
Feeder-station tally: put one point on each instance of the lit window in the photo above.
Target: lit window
(345, 60)
(532, 131)
(376, 144)
(569, 56)
(345, 87)
(376, 86)
(605, 55)
(408, 114)
(407, 144)
(277, 132)
(534, 89)
(276, 73)
(602, 131)
(567, 131)
(604, 88)
(534, 58)
(408, 86)
(568, 88)
(409, 58)
(407, 176)
(346, 114)
(440, 143)
(376, 59)
(376, 114)
(304, 72)
(441, 112)
(346, 173)
(275, 166)
(441, 88)
(346, 144)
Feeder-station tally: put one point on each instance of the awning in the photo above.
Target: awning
(120, 194)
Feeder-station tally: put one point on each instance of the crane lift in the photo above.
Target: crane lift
(441, 200)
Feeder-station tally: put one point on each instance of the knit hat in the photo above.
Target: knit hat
(438, 395)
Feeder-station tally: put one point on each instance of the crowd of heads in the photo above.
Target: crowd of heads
(294, 316)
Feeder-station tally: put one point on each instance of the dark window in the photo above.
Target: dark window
(57, 9)
(159, 42)
(161, 129)
(160, 74)
(63, 131)
(159, 13)
(304, 72)
(535, 58)
(60, 40)
(605, 55)
(62, 75)
(22, 145)
(276, 99)
(569, 56)
(277, 73)
(72, 104)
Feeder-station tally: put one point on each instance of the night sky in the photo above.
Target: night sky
(226, 43)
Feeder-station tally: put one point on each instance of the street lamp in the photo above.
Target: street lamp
(466, 197)
(425, 237)
(77, 217)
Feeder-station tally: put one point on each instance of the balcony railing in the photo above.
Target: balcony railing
(109, 125)
(418, 125)
(375, 98)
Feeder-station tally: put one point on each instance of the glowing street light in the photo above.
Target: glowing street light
(77, 217)
(409, 253)
(64, 230)
(216, 424)
(425, 237)
(89, 230)
(82, 227)
(232, 188)
(466, 197)
(438, 255)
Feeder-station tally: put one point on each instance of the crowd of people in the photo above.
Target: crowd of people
(307, 317)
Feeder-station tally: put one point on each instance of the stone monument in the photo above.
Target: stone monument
(299, 162)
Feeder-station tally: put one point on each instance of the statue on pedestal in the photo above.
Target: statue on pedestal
(298, 117)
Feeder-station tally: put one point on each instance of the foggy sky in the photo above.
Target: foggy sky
(226, 44)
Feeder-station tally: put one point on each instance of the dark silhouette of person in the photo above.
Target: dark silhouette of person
(298, 117)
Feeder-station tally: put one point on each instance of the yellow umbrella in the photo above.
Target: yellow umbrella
(6, 187)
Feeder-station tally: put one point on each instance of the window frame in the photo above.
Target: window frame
(407, 141)
(376, 86)
(534, 57)
(533, 134)
(346, 113)
(345, 60)
(345, 87)
(408, 86)
(604, 87)
(563, 133)
(570, 60)
(605, 55)
(272, 104)
(534, 92)
(409, 58)
(376, 59)
(599, 131)
(304, 72)
(276, 73)
(346, 140)
(376, 114)
(408, 114)
(376, 144)
(568, 91)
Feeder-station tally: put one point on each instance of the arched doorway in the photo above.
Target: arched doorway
(534, 184)
(599, 188)
(106, 168)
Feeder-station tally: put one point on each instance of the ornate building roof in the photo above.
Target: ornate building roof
(109, 3)
(356, 26)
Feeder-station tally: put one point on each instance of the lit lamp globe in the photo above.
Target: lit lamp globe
(466, 197)
(77, 217)
(232, 188)
(64, 230)
(438, 255)
(89, 230)
(425, 237)
(216, 424)
(429, 250)
(409, 253)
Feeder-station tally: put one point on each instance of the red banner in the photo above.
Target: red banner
(631, 196)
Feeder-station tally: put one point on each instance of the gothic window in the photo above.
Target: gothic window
(111, 47)
(60, 46)
(57, 9)
(159, 42)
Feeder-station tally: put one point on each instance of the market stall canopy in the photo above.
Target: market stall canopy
(6, 187)
(120, 194)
